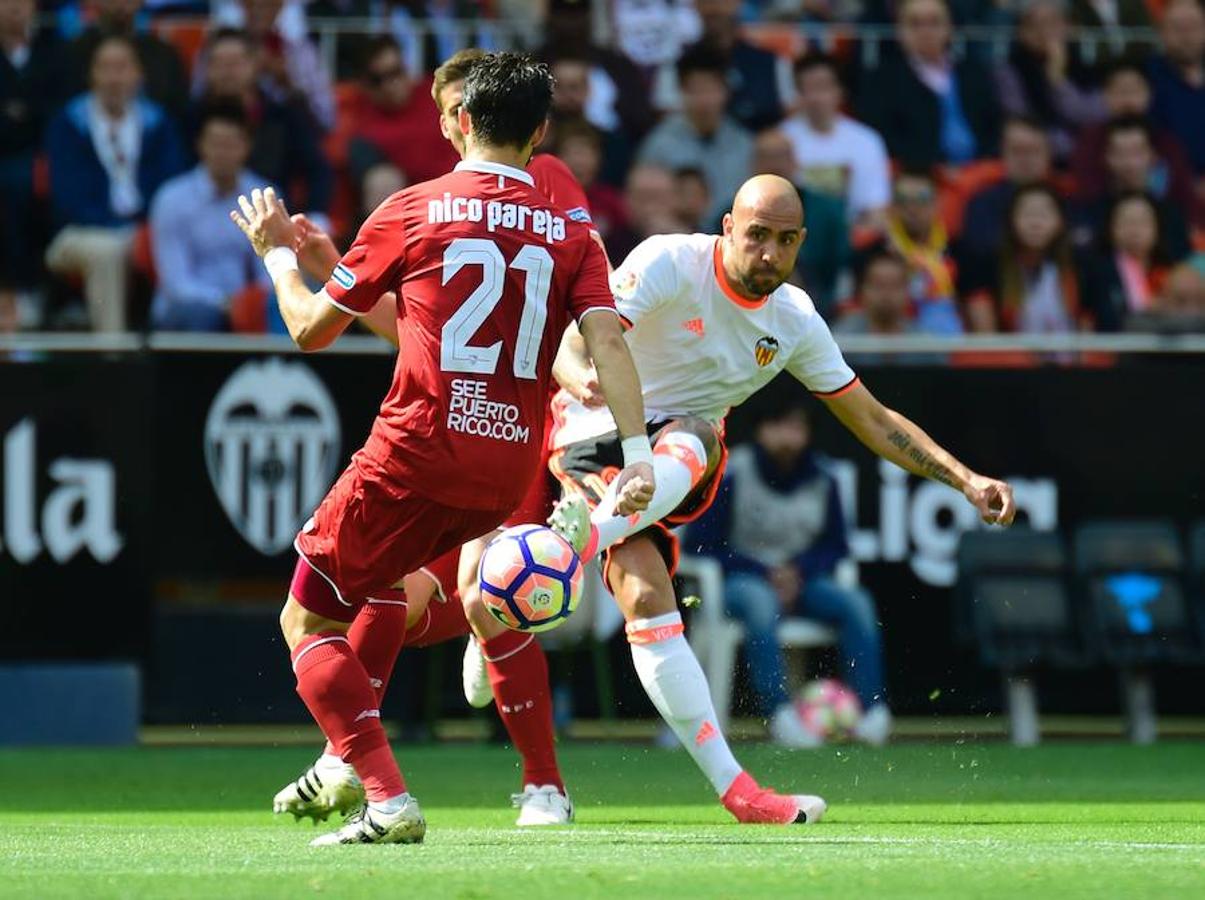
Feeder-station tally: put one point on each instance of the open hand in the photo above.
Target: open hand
(634, 488)
(264, 220)
(993, 499)
(316, 251)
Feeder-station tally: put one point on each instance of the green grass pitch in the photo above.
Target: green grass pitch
(932, 820)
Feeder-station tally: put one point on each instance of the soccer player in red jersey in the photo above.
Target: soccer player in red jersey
(486, 277)
(515, 676)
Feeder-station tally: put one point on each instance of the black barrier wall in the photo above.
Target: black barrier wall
(175, 482)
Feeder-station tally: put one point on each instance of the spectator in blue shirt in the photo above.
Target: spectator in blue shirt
(201, 259)
(1178, 78)
(777, 527)
(109, 151)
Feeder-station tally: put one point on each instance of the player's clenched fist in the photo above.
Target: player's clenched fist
(264, 220)
(634, 488)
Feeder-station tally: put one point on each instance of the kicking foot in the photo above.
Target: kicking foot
(788, 729)
(543, 805)
(368, 825)
(752, 804)
(474, 676)
(329, 785)
(571, 520)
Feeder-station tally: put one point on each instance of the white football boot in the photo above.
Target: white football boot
(542, 805)
(329, 785)
(475, 678)
(788, 729)
(367, 825)
(571, 520)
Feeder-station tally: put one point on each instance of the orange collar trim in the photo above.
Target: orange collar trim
(722, 280)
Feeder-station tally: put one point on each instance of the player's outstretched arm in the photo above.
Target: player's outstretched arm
(603, 336)
(896, 438)
(313, 323)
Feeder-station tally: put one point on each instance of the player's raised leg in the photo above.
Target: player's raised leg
(674, 680)
(518, 677)
(686, 454)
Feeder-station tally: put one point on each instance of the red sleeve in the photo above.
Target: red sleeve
(554, 180)
(591, 288)
(369, 268)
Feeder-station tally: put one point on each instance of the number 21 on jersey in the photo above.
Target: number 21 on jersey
(456, 353)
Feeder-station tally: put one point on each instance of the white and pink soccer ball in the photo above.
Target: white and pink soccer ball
(531, 580)
(829, 709)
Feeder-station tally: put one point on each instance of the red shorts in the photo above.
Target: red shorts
(543, 492)
(365, 536)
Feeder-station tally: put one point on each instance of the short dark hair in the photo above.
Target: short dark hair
(1123, 66)
(227, 33)
(919, 172)
(692, 172)
(816, 60)
(1023, 120)
(700, 58)
(374, 47)
(875, 256)
(114, 38)
(508, 96)
(227, 110)
(578, 129)
(1123, 124)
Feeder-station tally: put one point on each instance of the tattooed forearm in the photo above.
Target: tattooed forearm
(926, 464)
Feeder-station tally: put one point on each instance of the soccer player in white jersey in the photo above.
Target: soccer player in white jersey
(710, 321)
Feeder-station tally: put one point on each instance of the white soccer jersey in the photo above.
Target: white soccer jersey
(700, 348)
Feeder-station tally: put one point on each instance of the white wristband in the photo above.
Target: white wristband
(279, 260)
(636, 450)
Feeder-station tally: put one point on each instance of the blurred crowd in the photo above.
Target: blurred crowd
(1056, 186)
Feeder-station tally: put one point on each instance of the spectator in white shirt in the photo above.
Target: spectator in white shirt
(837, 155)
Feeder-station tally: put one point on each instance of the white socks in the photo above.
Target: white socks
(679, 463)
(674, 681)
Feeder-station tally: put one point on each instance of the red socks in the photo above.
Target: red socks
(518, 673)
(376, 635)
(336, 690)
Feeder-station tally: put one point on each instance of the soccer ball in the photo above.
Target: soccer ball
(531, 580)
(829, 709)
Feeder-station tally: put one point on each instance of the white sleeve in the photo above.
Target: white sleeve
(645, 282)
(872, 177)
(818, 363)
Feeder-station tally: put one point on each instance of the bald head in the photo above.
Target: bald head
(771, 197)
(762, 235)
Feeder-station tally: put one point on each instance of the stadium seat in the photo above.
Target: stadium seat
(1130, 578)
(715, 638)
(1013, 602)
(1196, 573)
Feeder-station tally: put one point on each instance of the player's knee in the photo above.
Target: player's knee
(641, 600)
(292, 623)
(484, 625)
(705, 432)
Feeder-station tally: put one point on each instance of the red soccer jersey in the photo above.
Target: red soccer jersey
(487, 276)
(556, 182)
